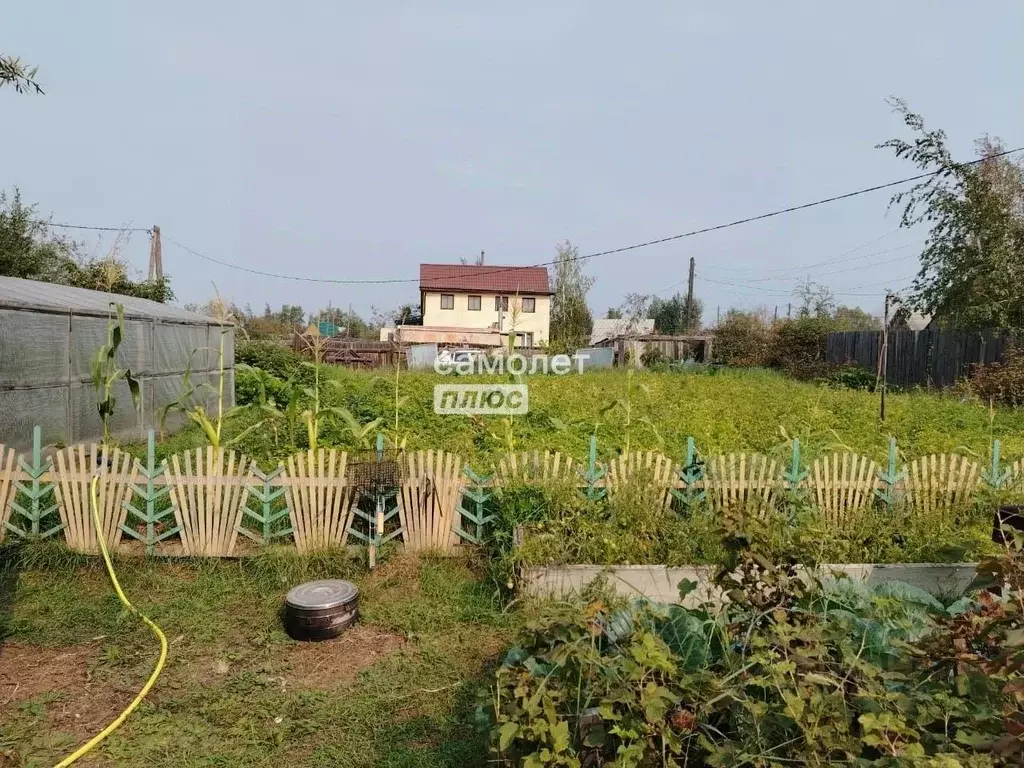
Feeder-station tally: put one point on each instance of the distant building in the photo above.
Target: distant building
(902, 318)
(479, 305)
(605, 329)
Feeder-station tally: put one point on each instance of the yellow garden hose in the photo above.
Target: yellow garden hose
(88, 746)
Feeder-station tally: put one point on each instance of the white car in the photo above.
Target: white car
(452, 356)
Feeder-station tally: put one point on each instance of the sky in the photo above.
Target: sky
(353, 141)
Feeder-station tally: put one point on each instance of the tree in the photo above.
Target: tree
(27, 247)
(855, 319)
(673, 316)
(614, 313)
(21, 76)
(571, 322)
(974, 254)
(814, 299)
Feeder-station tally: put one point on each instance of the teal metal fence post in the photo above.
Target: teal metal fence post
(479, 493)
(33, 511)
(593, 474)
(794, 475)
(691, 474)
(995, 477)
(889, 478)
(265, 494)
(151, 494)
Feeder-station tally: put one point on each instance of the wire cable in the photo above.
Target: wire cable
(99, 737)
(147, 230)
(498, 270)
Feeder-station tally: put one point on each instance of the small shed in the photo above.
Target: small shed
(49, 336)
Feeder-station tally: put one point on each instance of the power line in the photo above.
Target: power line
(94, 229)
(839, 260)
(613, 251)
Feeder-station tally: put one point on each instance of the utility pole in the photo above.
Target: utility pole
(776, 319)
(883, 356)
(156, 258)
(789, 309)
(718, 314)
(689, 297)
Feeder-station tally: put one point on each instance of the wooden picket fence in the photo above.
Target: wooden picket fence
(209, 492)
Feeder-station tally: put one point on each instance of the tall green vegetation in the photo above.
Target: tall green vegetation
(106, 374)
(571, 322)
(30, 250)
(676, 315)
(974, 254)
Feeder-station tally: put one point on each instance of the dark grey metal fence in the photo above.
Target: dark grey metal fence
(929, 358)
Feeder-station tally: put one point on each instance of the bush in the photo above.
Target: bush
(274, 358)
(798, 346)
(853, 377)
(744, 339)
(1001, 382)
(783, 673)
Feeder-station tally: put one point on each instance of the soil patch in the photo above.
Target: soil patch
(74, 701)
(334, 662)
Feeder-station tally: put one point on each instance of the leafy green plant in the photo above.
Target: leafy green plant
(106, 373)
(786, 671)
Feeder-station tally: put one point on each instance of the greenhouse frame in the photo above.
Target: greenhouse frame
(49, 336)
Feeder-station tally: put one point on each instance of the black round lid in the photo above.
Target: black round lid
(329, 593)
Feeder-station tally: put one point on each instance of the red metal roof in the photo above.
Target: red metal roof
(468, 278)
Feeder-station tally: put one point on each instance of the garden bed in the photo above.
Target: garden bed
(660, 583)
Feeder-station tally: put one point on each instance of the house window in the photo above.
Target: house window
(447, 301)
(529, 304)
(524, 340)
(501, 303)
(474, 303)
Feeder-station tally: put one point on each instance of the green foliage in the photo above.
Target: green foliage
(270, 356)
(106, 374)
(571, 322)
(29, 250)
(785, 672)
(743, 339)
(674, 315)
(633, 526)
(975, 247)
(853, 377)
(1003, 382)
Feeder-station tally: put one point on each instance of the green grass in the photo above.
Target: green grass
(735, 410)
(236, 691)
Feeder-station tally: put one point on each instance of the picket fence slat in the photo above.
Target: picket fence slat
(9, 475)
(939, 483)
(843, 486)
(75, 468)
(643, 466)
(320, 502)
(534, 467)
(742, 482)
(428, 503)
(208, 499)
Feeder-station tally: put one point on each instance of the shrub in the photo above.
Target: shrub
(274, 358)
(744, 339)
(853, 377)
(783, 673)
(799, 345)
(1001, 382)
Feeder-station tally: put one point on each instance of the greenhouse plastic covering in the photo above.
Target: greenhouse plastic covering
(49, 335)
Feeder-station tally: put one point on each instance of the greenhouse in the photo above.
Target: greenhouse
(49, 336)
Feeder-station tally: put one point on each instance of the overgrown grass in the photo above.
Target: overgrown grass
(735, 410)
(235, 691)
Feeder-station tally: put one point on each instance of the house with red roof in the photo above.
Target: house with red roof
(482, 305)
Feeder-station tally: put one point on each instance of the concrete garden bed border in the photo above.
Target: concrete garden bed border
(661, 583)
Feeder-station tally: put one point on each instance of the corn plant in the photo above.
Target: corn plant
(212, 425)
(362, 434)
(106, 374)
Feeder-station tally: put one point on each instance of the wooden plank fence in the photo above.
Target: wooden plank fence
(207, 490)
(929, 358)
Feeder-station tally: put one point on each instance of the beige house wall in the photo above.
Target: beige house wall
(538, 323)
